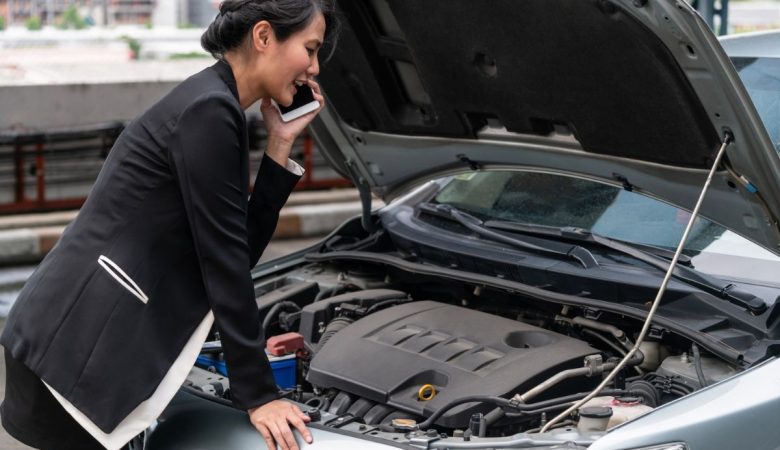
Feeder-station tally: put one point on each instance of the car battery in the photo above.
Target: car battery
(284, 368)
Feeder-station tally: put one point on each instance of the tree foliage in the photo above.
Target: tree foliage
(134, 46)
(71, 19)
(33, 23)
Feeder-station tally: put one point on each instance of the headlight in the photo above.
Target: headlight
(671, 446)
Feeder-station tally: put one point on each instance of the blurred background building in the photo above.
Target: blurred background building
(176, 13)
(74, 72)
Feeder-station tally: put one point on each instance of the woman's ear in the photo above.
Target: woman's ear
(262, 35)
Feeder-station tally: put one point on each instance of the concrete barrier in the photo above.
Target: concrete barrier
(313, 220)
(19, 246)
(28, 238)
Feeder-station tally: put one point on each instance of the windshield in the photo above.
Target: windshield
(761, 77)
(563, 201)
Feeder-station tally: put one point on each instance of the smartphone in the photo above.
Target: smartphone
(303, 103)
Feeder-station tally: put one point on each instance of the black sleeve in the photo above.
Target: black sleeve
(207, 155)
(273, 186)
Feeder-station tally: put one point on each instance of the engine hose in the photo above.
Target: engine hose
(611, 344)
(586, 371)
(618, 334)
(275, 310)
(636, 359)
(678, 391)
(513, 405)
(536, 412)
(563, 402)
(606, 341)
(647, 392)
(500, 401)
(496, 414)
(697, 364)
(383, 303)
(551, 405)
(329, 292)
(325, 293)
(333, 327)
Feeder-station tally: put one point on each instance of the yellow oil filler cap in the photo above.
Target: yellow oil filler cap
(426, 393)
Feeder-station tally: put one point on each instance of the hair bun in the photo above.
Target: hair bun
(237, 17)
(231, 5)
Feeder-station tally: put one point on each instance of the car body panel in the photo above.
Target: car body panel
(196, 424)
(740, 412)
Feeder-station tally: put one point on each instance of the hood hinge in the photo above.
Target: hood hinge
(473, 165)
(626, 185)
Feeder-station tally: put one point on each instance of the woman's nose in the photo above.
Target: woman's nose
(314, 67)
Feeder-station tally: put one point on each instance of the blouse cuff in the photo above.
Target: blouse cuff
(294, 168)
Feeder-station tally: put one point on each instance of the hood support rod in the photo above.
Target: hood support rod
(727, 139)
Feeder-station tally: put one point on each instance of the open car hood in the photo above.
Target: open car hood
(633, 92)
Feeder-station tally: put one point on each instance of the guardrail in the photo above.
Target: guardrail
(54, 169)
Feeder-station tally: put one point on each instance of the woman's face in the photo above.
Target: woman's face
(293, 61)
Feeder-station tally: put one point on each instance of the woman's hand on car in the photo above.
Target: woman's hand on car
(273, 421)
(281, 135)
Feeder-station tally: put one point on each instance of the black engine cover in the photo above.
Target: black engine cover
(387, 356)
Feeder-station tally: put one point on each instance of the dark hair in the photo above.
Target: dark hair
(236, 19)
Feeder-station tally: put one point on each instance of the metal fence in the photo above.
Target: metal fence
(54, 169)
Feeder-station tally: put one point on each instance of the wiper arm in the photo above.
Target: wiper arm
(646, 253)
(576, 252)
(682, 273)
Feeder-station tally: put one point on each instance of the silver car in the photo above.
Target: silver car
(580, 248)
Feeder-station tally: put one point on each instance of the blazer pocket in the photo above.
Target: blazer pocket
(122, 278)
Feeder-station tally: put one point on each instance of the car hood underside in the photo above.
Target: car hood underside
(631, 92)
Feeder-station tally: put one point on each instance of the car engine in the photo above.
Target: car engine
(391, 356)
(383, 353)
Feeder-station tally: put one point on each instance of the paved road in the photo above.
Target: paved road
(275, 249)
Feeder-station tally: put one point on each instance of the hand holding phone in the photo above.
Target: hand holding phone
(303, 103)
(280, 123)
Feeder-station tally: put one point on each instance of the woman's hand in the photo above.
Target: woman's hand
(273, 421)
(281, 135)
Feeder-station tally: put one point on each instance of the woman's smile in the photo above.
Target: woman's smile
(295, 57)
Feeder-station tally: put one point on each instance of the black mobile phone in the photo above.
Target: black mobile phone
(303, 102)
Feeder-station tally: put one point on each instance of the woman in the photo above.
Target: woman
(107, 328)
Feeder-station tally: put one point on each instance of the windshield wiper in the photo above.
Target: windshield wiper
(658, 258)
(653, 256)
(638, 251)
(576, 252)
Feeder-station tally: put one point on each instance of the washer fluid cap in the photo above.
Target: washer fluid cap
(627, 400)
(596, 412)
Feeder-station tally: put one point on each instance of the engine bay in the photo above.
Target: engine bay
(387, 353)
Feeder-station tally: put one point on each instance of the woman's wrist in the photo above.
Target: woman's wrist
(279, 150)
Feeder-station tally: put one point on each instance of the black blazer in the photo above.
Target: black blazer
(166, 234)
